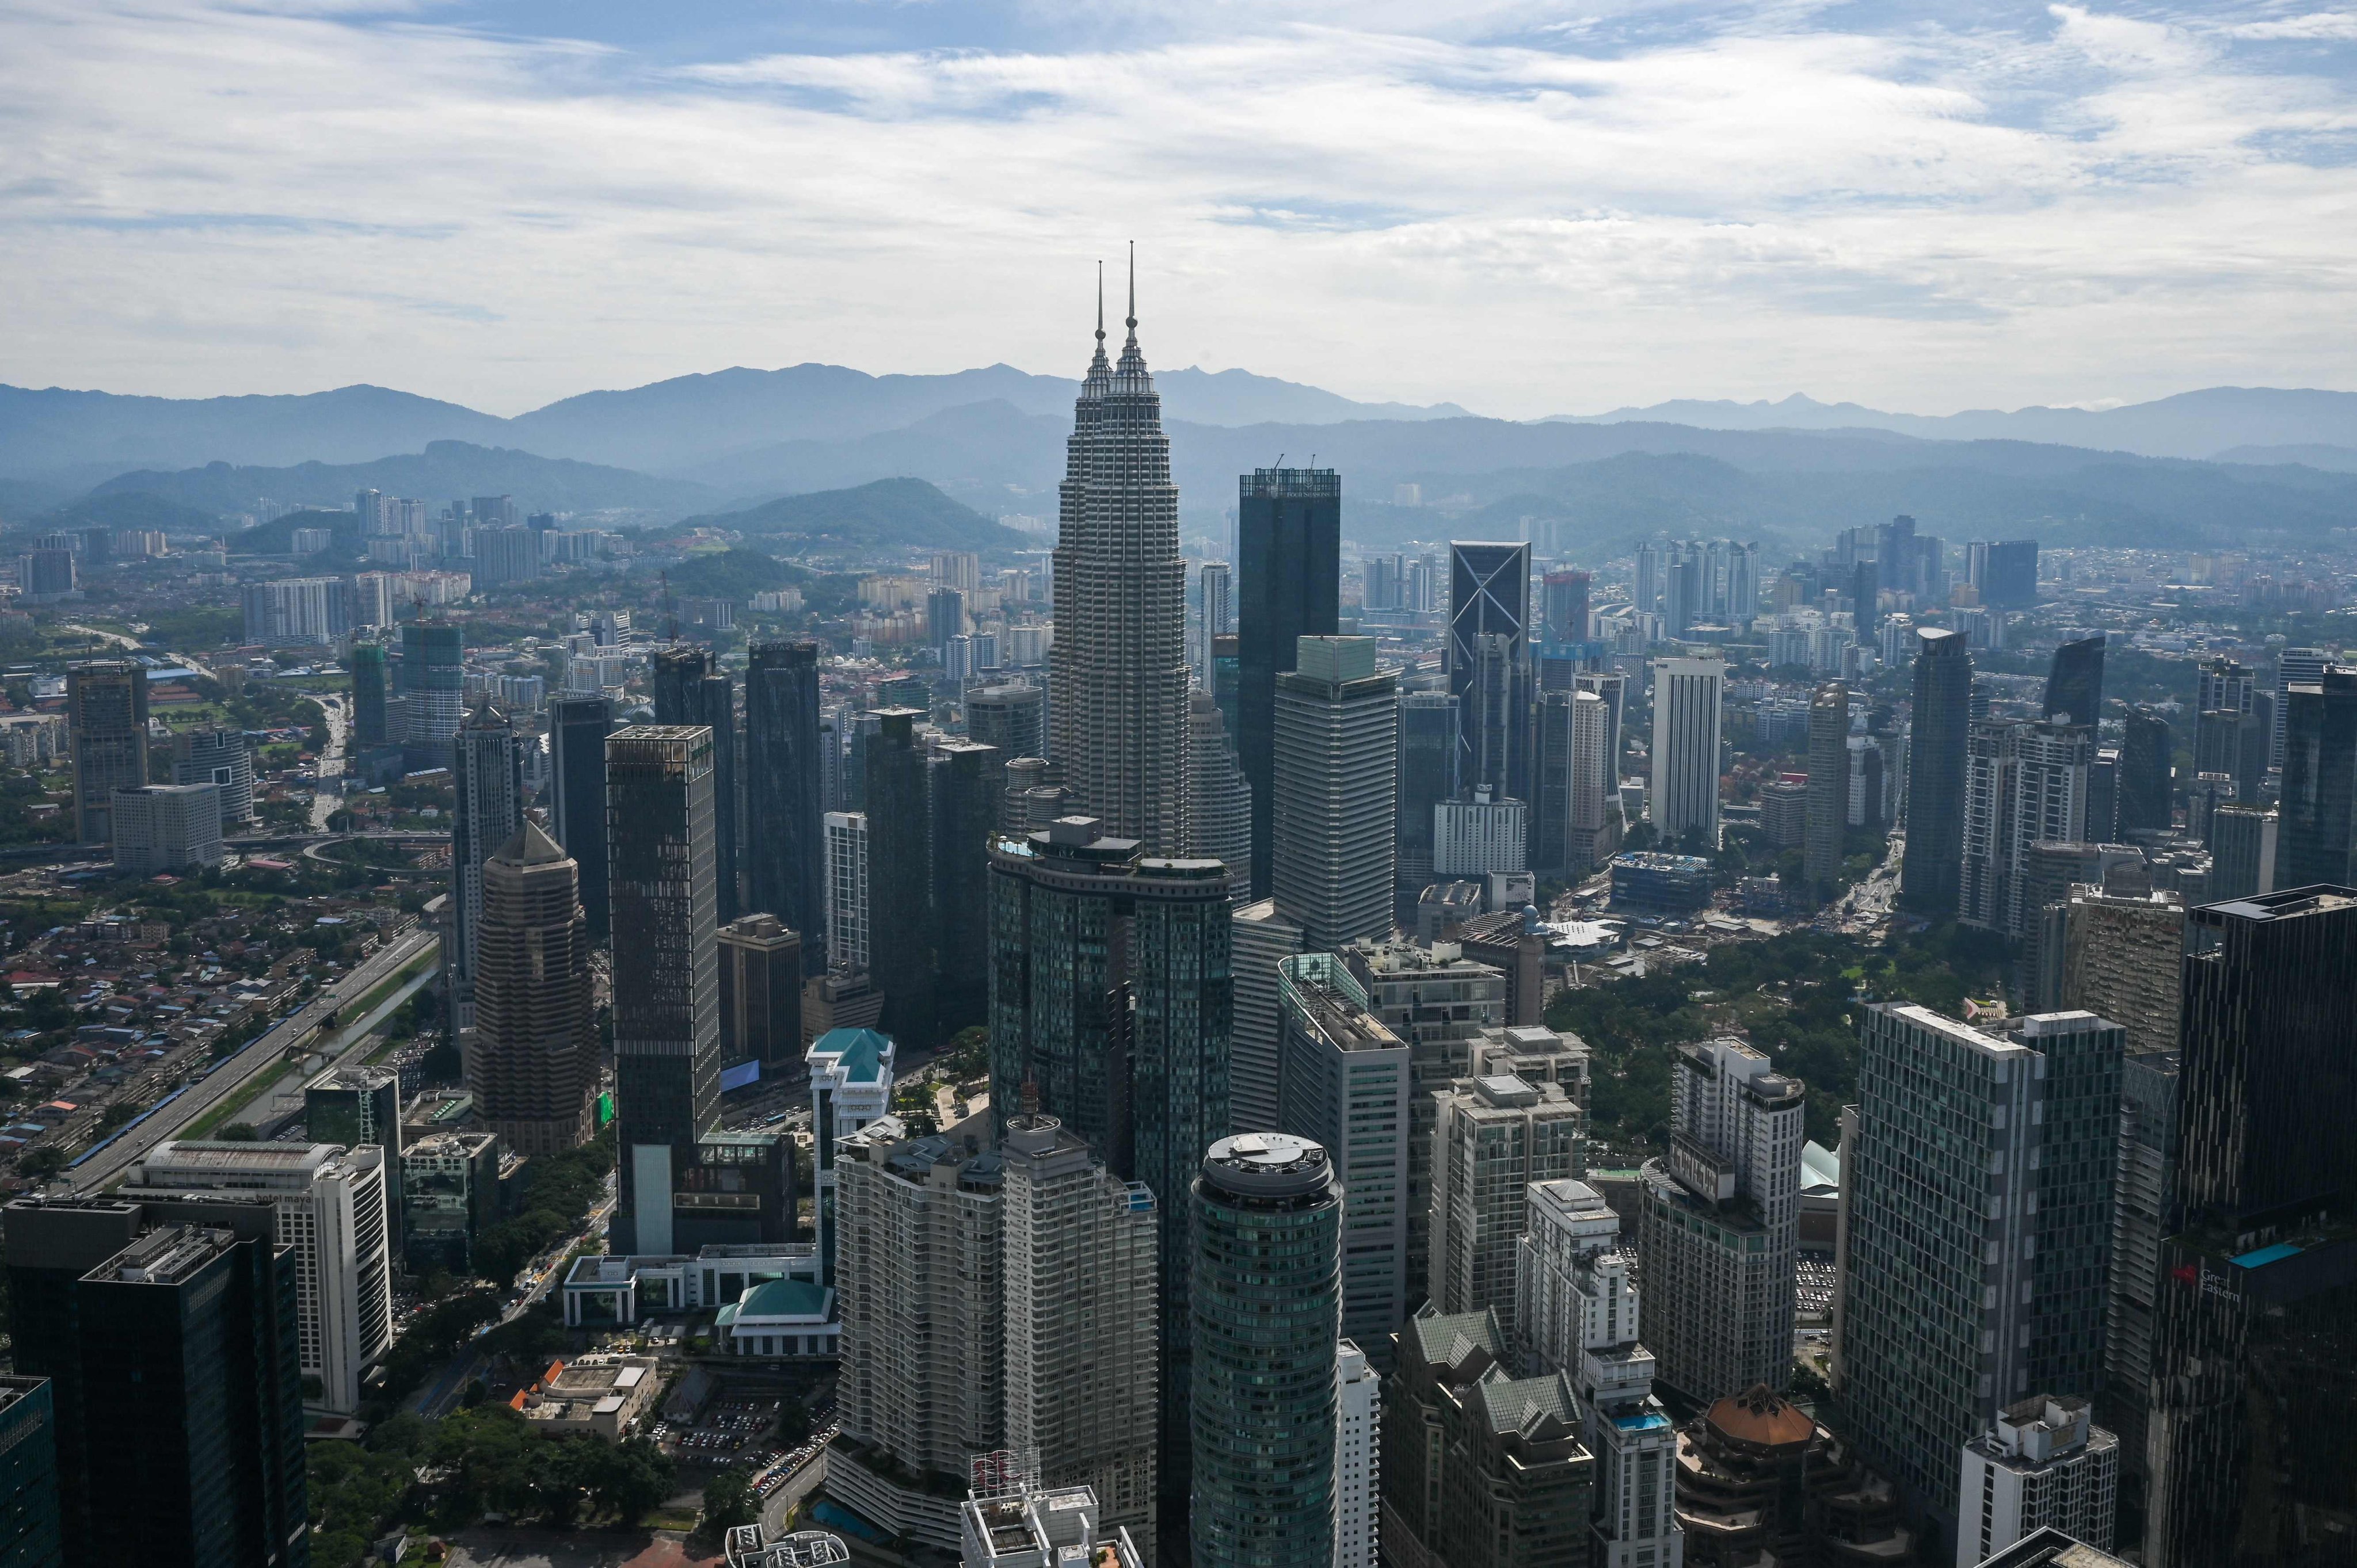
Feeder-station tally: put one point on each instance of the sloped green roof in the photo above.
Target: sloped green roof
(783, 1298)
(858, 1053)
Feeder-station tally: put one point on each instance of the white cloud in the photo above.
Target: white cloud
(200, 198)
(2322, 26)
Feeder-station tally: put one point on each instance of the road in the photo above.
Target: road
(264, 1054)
(325, 800)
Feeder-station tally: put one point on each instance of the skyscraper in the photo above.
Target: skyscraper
(1337, 727)
(1976, 1278)
(659, 834)
(691, 689)
(431, 684)
(1490, 596)
(1012, 717)
(1427, 776)
(487, 771)
(2293, 666)
(2025, 784)
(967, 798)
(785, 864)
(532, 1064)
(846, 890)
(31, 1532)
(366, 662)
(577, 728)
(1551, 785)
(1494, 1137)
(1566, 605)
(1079, 1271)
(761, 992)
(1220, 810)
(106, 712)
(2317, 820)
(1720, 1225)
(2146, 790)
(1111, 991)
(167, 1332)
(218, 756)
(899, 878)
(1346, 1086)
(2251, 1422)
(1684, 798)
(1931, 871)
(1289, 546)
(1265, 1261)
(1261, 939)
(1117, 671)
(1828, 812)
(2074, 684)
(1215, 614)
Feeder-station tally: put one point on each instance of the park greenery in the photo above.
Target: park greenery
(559, 1191)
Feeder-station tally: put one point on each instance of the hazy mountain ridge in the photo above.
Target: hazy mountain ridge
(884, 514)
(445, 471)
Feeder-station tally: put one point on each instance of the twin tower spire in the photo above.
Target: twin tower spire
(1132, 359)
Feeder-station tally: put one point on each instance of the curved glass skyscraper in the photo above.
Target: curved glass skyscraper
(1268, 1309)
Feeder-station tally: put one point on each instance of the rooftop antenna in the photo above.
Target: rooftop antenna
(1132, 322)
(1101, 304)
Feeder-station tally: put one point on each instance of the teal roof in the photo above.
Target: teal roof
(783, 1298)
(858, 1053)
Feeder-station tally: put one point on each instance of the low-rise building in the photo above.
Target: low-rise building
(449, 1196)
(607, 1290)
(2042, 1464)
(600, 1395)
(1019, 1525)
(1759, 1478)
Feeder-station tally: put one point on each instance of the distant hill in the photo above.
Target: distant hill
(2332, 459)
(2204, 424)
(54, 430)
(276, 537)
(733, 574)
(896, 513)
(131, 508)
(444, 471)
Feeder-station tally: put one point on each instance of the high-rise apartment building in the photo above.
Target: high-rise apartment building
(659, 836)
(106, 712)
(165, 827)
(220, 756)
(367, 663)
(2143, 1188)
(577, 728)
(850, 1086)
(297, 612)
(1110, 990)
(2257, 1312)
(167, 1333)
(1289, 544)
(1117, 671)
(1427, 776)
(691, 689)
(431, 688)
(1080, 1272)
(1683, 800)
(1260, 940)
(1337, 725)
(1719, 1230)
(331, 1205)
(2317, 819)
(2043, 1464)
(847, 888)
(785, 864)
(532, 1060)
(2118, 959)
(487, 769)
(1976, 1277)
(1012, 717)
(356, 1105)
(1439, 1002)
(1266, 1264)
(1576, 1309)
(1828, 809)
(2025, 784)
(1931, 871)
(1345, 1080)
(1489, 597)
(1358, 1458)
(760, 993)
(1494, 1137)
(2074, 682)
(923, 1389)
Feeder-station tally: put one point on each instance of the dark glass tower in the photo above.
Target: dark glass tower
(691, 690)
(1566, 605)
(2074, 682)
(1489, 665)
(2145, 775)
(1931, 873)
(577, 728)
(967, 790)
(784, 778)
(1110, 992)
(169, 1334)
(1289, 559)
(658, 837)
(2254, 1365)
(1427, 776)
(1266, 1258)
(30, 1532)
(899, 879)
(2317, 820)
(367, 665)
(487, 768)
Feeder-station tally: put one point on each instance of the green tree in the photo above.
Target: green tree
(728, 1501)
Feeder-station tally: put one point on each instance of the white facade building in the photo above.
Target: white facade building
(331, 1210)
(1020, 1524)
(1493, 1137)
(847, 888)
(1685, 794)
(167, 827)
(2043, 1465)
(1358, 1456)
(1259, 940)
(1474, 837)
(1335, 800)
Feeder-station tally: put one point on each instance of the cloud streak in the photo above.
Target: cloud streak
(1532, 209)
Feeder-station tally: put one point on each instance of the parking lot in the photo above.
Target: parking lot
(731, 1432)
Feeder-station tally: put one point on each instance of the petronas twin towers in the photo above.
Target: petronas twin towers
(1117, 670)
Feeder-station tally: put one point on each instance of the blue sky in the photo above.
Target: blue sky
(1522, 207)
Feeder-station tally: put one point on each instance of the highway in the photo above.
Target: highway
(266, 1055)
